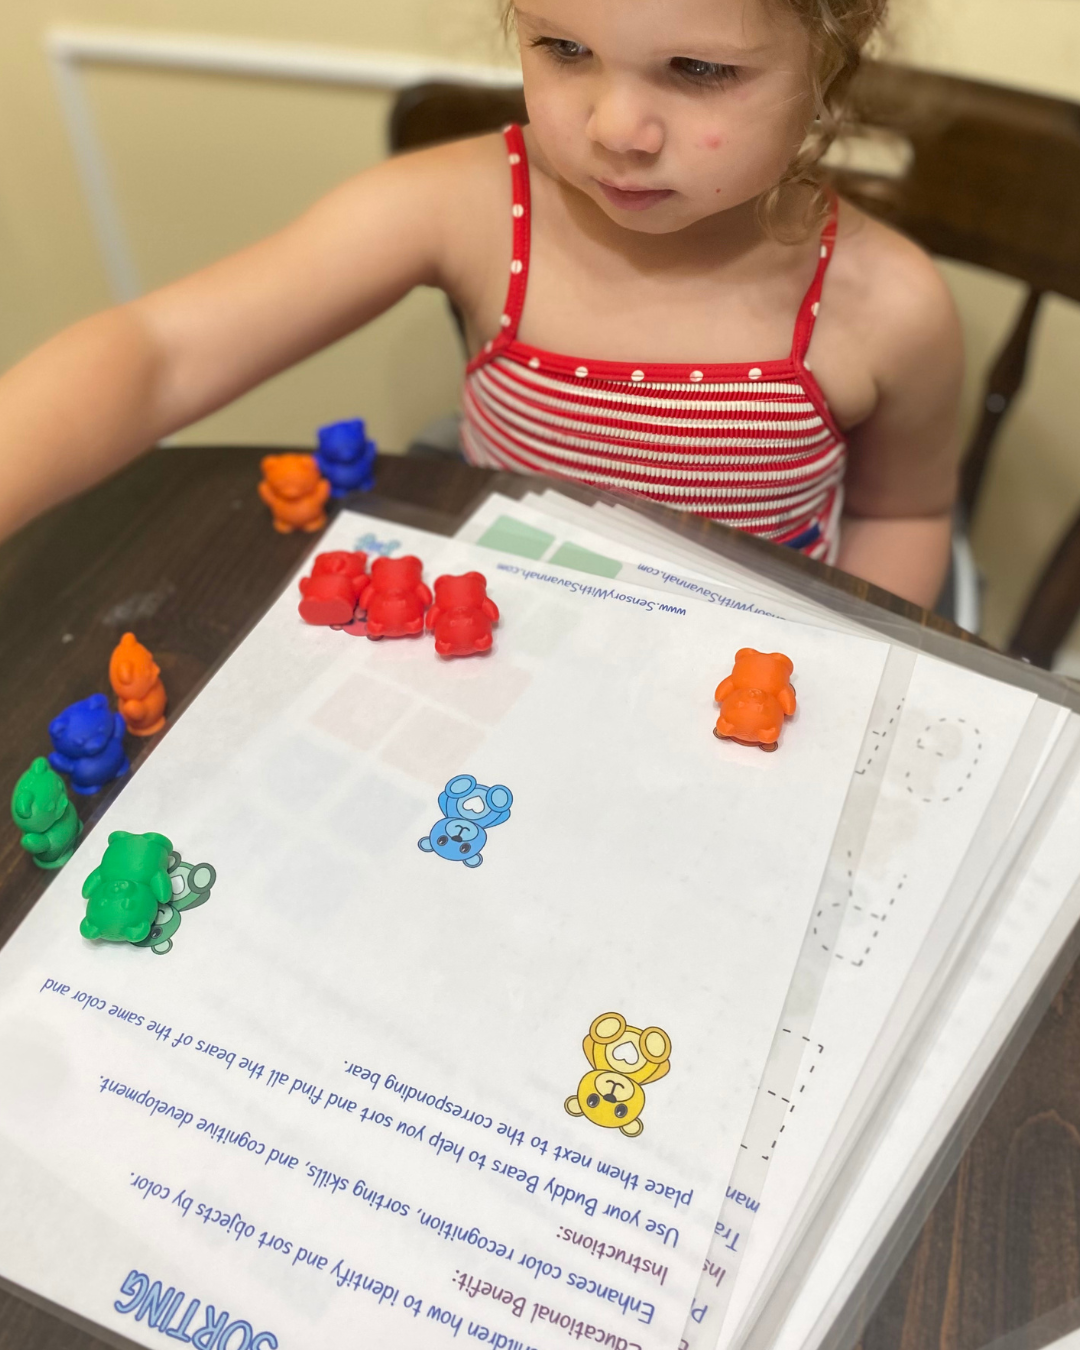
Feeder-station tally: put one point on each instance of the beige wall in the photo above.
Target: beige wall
(200, 164)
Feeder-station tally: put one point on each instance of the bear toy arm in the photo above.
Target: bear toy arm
(91, 884)
(432, 617)
(724, 688)
(322, 491)
(423, 594)
(267, 493)
(119, 725)
(491, 609)
(161, 888)
(786, 699)
(34, 843)
(61, 762)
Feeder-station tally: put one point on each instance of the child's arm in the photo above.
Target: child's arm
(104, 390)
(903, 462)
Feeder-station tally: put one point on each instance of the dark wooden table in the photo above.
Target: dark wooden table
(179, 547)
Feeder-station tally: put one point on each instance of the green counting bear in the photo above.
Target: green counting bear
(124, 893)
(41, 809)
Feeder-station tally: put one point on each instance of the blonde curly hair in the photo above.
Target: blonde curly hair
(839, 31)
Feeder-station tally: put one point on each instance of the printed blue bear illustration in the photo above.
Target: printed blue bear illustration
(469, 811)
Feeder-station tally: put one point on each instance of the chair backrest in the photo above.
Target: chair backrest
(991, 176)
(429, 113)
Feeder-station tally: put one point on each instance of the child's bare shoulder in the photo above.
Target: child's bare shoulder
(461, 183)
(891, 292)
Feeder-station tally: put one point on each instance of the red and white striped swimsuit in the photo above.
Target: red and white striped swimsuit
(753, 446)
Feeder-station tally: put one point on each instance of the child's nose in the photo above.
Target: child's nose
(622, 122)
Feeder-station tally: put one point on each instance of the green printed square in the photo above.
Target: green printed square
(513, 536)
(584, 560)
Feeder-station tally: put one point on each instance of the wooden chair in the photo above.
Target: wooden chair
(992, 177)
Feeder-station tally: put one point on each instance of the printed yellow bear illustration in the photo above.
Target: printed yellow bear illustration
(622, 1059)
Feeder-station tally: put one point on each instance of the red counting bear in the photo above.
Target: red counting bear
(395, 598)
(755, 698)
(331, 593)
(462, 615)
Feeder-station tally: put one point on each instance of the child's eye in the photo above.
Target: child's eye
(703, 72)
(562, 49)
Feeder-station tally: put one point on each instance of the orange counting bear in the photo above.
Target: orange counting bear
(295, 492)
(755, 698)
(136, 680)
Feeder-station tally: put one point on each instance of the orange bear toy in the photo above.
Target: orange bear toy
(295, 492)
(136, 680)
(755, 698)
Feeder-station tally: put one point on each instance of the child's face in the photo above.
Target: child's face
(666, 111)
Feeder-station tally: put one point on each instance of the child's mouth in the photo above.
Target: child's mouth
(633, 199)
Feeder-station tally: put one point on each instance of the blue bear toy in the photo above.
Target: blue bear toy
(89, 741)
(346, 458)
(469, 811)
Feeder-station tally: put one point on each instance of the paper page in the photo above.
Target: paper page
(338, 1106)
(955, 737)
(528, 529)
(1041, 908)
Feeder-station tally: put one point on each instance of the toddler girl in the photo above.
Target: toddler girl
(658, 293)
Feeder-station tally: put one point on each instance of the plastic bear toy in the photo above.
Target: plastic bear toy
(622, 1058)
(124, 893)
(40, 808)
(295, 492)
(462, 615)
(469, 811)
(346, 457)
(89, 741)
(136, 680)
(331, 593)
(755, 698)
(395, 598)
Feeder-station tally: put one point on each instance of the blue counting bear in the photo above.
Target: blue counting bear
(469, 811)
(346, 458)
(89, 741)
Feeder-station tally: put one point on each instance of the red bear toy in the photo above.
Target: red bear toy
(395, 598)
(462, 615)
(331, 593)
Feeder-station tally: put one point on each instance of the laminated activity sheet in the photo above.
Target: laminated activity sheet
(952, 755)
(454, 1025)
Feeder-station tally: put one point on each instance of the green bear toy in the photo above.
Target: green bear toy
(41, 809)
(124, 893)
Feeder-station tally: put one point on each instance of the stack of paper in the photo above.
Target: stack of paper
(523, 1009)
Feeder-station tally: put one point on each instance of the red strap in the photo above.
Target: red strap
(808, 313)
(521, 210)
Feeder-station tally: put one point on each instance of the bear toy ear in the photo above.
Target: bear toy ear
(23, 803)
(744, 653)
(40, 765)
(97, 701)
